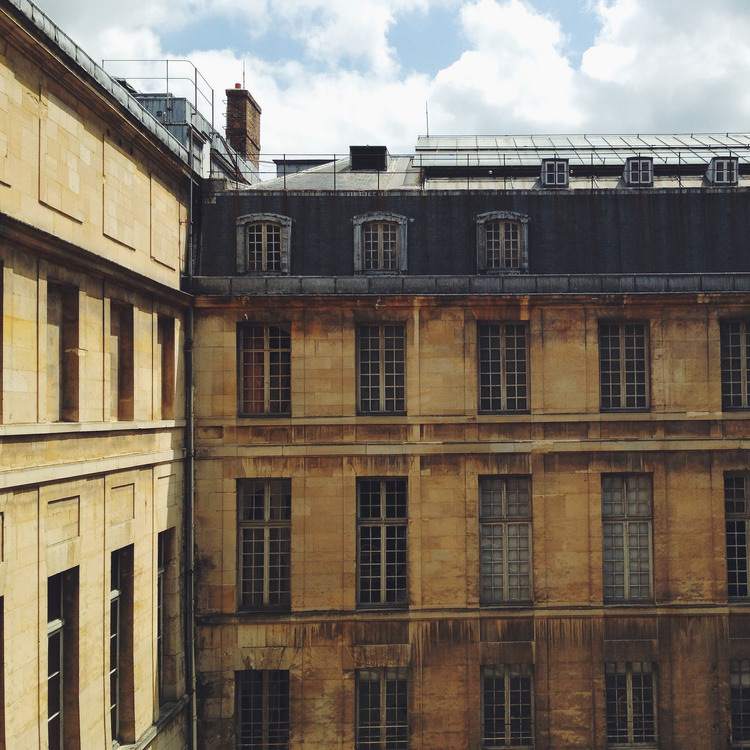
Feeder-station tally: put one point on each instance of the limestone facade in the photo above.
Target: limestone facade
(93, 217)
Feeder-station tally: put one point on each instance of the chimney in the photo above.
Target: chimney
(243, 123)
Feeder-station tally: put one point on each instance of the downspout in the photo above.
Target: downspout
(190, 475)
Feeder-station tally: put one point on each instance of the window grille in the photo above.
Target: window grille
(382, 369)
(507, 707)
(262, 709)
(631, 704)
(735, 364)
(627, 519)
(505, 539)
(265, 370)
(739, 686)
(380, 246)
(382, 709)
(263, 246)
(381, 530)
(264, 525)
(623, 381)
(737, 514)
(503, 367)
(555, 173)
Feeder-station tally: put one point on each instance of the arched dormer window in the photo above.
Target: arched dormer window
(379, 242)
(263, 243)
(502, 242)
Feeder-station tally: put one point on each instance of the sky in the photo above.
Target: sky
(333, 73)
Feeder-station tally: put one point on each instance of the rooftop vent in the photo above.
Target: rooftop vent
(373, 158)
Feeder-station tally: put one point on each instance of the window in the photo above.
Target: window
(739, 686)
(121, 371)
(737, 515)
(379, 242)
(723, 171)
(507, 706)
(639, 171)
(382, 369)
(121, 687)
(264, 525)
(263, 243)
(62, 660)
(626, 520)
(165, 344)
(631, 705)
(265, 370)
(62, 353)
(381, 537)
(502, 242)
(166, 616)
(503, 384)
(623, 381)
(262, 709)
(382, 709)
(735, 363)
(505, 539)
(555, 173)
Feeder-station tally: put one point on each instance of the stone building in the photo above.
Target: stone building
(471, 448)
(95, 210)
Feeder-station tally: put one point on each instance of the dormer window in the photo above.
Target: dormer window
(263, 243)
(502, 242)
(555, 173)
(379, 243)
(639, 171)
(722, 171)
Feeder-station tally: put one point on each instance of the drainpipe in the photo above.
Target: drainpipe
(189, 510)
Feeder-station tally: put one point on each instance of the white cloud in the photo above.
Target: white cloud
(671, 65)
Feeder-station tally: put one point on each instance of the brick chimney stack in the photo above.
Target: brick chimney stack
(243, 123)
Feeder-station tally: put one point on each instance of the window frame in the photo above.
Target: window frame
(275, 714)
(121, 674)
(393, 684)
(270, 488)
(736, 491)
(505, 521)
(387, 360)
(521, 221)
(723, 170)
(359, 224)
(643, 173)
(489, 368)
(642, 521)
(558, 176)
(615, 669)
(394, 528)
(628, 367)
(735, 389)
(285, 237)
(739, 703)
(511, 708)
(283, 364)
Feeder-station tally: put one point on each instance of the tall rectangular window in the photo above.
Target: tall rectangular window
(735, 364)
(507, 706)
(62, 661)
(381, 541)
(736, 517)
(264, 509)
(121, 354)
(627, 518)
(380, 246)
(265, 377)
(505, 539)
(631, 704)
(382, 369)
(263, 246)
(623, 360)
(165, 344)
(503, 367)
(121, 687)
(62, 353)
(739, 685)
(382, 710)
(262, 709)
